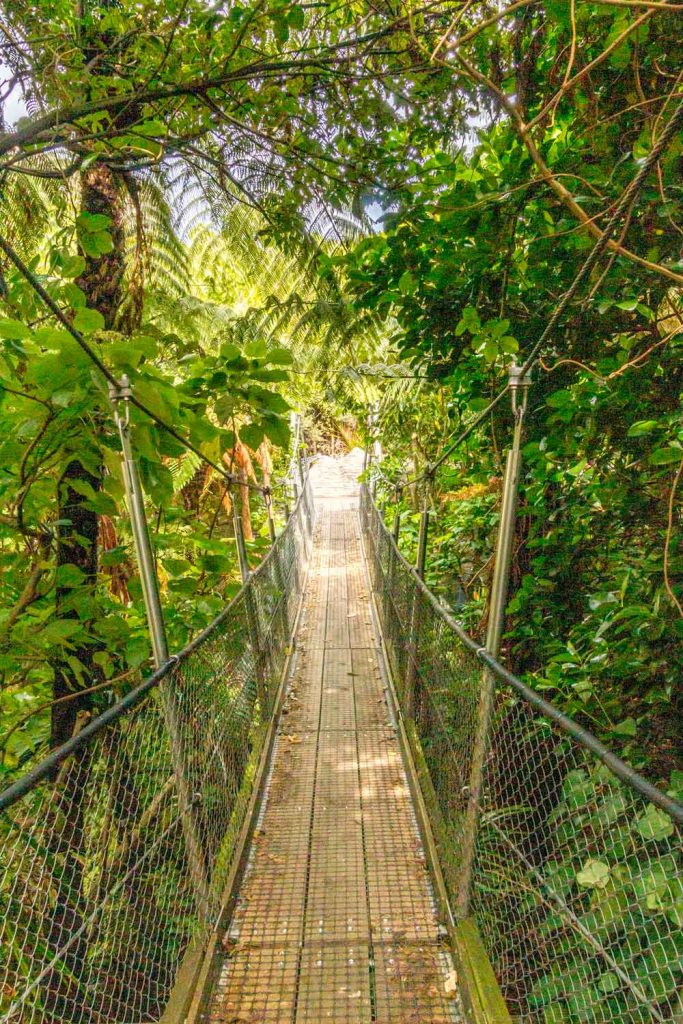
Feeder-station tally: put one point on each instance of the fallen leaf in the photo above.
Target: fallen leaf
(451, 983)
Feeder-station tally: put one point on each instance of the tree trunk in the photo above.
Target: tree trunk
(77, 546)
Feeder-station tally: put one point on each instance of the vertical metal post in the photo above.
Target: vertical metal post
(305, 501)
(279, 577)
(422, 542)
(396, 531)
(374, 453)
(251, 609)
(294, 427)
(138, 519)
(268, 502)
(307, 509)
(239, 541)
(377, 447)
(155, 619)
(420, 562)
(519, 387)
(366, 449)
(391, 617)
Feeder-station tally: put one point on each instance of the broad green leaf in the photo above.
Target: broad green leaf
(277, 430)
(625, 728)
(593, 875)
(665, 456)
(88, 320)
(280, 356)
(252, 435)
(229, 353)
(642, 427)
(14, 330)
(654, 824)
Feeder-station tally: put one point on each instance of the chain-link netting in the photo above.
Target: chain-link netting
(576, 876)
(112, 865)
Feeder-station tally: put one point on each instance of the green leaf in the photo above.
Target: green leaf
(230, 353)
(92, 222)
(295, 17)
(256, 349)
(625, 728)
(177, 566)
(225, 407)
(270, 376)
(88, 320)
(642, 427)
(654, 824)
(280, 356)
(281, 28)
(491, 350)
(665, 456)
(271, 400)
(252, 435)
(61, 630)
(71, 266)
(69, 576)
(406, 283)
(560, 399)
(97, 244)
(277, 430)
(469, 322)
(14, 330)
(595, 874)
(608, 982)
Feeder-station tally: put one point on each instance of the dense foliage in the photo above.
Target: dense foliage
(482, 244)
(164, 160)
(258, 207)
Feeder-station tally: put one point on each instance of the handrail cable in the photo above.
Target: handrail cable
(110, 376)
(629, 193)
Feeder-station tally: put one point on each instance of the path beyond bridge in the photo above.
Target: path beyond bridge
(336, 918)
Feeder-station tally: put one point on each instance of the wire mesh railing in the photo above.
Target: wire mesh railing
(116, 850)
(575, 878)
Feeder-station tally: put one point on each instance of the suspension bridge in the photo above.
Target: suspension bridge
(335, 805)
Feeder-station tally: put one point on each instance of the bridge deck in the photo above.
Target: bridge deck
(336, 917)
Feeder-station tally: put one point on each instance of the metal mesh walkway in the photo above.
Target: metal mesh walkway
(335, 918)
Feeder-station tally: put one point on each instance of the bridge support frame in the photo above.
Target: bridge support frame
(252, 610)
(420, 564)
(279, 577)
(155, 620)
(138, 521)
(519, 387)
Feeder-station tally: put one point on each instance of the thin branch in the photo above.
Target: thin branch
(557, 187)
(569, 84)
(667, 543)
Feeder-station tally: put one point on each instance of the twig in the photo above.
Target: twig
(667, 543)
